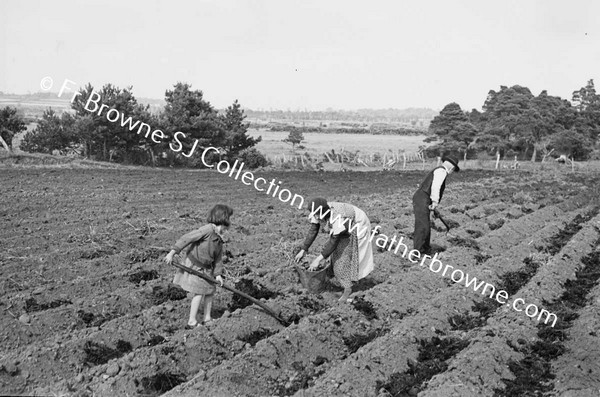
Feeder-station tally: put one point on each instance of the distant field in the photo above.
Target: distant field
(272, 145)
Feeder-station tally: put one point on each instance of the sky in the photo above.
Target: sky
(309, 54)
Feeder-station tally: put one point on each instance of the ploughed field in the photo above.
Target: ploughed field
(88, 307)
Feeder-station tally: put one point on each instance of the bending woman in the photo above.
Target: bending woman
(349, 245)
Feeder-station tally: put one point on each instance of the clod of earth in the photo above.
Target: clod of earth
(98, 353)
(138, 256)
(170, 293)
(432, 359)
(358, 340)
(255, 290)
(143, 275)
(464, 242)
(31, 305)
(365, 308)
(95, 320)
(160, 383)
(155, 340)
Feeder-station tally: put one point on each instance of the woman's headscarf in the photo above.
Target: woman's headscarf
(313, 206)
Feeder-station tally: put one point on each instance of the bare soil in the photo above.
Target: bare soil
(88, 307)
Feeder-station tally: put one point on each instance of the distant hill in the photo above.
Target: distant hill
(33, 106)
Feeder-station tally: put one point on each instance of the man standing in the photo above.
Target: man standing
(427, 198)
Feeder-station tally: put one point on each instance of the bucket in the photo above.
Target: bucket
(316, 281)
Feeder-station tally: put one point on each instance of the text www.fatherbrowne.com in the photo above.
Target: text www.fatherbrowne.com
(436, 266)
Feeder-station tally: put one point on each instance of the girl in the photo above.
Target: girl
(349, 245)
(203, 252)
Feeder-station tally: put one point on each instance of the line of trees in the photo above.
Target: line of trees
(515, 122)
(512, 122)
(372, 129)
(417, 117)
(93, 136)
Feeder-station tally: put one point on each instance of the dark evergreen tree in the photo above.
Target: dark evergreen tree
(295, 137)
(236, 136)
(11, 123)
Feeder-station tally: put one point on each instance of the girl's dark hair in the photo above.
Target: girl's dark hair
(219, 215)
(314, 204)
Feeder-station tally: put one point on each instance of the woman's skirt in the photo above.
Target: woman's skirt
(353, 257)
(192, 283)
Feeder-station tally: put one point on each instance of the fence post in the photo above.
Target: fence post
(497, 160)
(404, 157)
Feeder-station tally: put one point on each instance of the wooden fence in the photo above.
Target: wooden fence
(344, 159)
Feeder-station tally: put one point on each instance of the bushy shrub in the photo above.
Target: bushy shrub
(595, 155)
(252, 158)
(53, 132)
(483, 158)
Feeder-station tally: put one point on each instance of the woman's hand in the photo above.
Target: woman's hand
(169, 257)
(219, 279)
(300, 255)
(315, 264)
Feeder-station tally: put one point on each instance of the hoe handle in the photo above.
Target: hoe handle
(437, 214)
(266, 308)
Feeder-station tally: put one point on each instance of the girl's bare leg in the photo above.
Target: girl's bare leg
(194, 309)
(208, 300)
(346, 294)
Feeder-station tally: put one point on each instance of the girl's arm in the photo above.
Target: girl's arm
(184, 241)
(191, 237)
(218, 272)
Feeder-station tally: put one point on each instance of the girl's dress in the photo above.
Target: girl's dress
(202, 251)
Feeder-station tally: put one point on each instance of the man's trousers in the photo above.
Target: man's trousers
(422, 234)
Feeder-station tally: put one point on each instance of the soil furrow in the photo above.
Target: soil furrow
(393, 299)
(70, 352)
(582, 346)
(431, 321)
(508, 331)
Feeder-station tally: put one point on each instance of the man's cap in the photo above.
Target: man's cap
(453, 159)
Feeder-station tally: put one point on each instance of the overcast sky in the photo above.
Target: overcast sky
(305, 54)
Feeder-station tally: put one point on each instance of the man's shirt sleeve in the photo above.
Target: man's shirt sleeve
(439, 175)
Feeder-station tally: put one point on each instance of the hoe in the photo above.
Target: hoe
(266, 308)
(437, 214)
